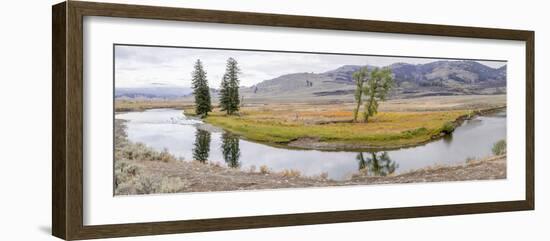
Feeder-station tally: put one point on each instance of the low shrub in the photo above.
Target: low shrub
(125, 173)
(133, 170)
(120, 165)
(172, 185)
(130, 179)
(290, 173)
(499, 148)
(165, 156)
(156, 184)
(448, 128)
(415, 132)
(215, 164)
(148, 184)
(125, 189)
(264, 169)
(141, 152)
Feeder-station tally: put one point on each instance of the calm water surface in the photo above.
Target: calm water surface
(172, 130)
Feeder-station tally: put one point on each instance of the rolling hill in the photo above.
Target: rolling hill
(435, 78)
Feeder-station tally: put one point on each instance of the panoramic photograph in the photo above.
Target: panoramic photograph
(190, 119)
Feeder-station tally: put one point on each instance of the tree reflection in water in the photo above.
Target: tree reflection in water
(231, 151)
(377, 164)
(201, 147)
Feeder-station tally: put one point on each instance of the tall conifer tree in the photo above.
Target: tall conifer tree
(201, 90)
(229, 92)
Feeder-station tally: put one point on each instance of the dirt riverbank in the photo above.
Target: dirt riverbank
(183, 176)
(484, 169)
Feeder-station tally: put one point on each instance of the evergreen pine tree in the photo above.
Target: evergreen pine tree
(224, 95)
(229, 92)
(201, 90)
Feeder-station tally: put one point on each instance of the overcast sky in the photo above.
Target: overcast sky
(146, 66)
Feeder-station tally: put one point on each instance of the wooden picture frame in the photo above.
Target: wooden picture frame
(67, 123)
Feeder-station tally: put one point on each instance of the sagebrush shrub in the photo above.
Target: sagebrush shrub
(499, 147)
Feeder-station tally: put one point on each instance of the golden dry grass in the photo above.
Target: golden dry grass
(384, 129)
(141, 105)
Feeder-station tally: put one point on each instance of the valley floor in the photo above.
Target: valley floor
(431, 103)
(328, 125)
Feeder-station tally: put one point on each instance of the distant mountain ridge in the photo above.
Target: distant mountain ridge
(344, 73)
(468, 72)
(153, 92)
(461, 71)
(436, 78)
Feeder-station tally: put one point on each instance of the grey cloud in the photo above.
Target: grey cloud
(144, 65)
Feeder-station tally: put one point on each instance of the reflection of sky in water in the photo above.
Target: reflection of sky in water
(165, 128)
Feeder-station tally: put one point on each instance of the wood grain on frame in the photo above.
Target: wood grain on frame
(58, 121)
(67, 119)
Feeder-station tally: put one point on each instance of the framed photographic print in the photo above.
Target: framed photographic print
(171, 120)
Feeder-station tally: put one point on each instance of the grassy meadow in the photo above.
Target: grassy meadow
(145, 104)
(384, 129)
